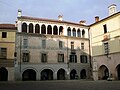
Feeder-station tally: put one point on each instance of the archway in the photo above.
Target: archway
(47, 74)
(103, 73)
(61, 74)
(118, 72)
(37, 28)
(24, 27)
(3, 74)
(29, 75)
(73, 74)
(83, 74)
(30, 28)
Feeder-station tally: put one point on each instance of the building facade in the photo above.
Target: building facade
(105, 44)
(7, 50)
(51, 49)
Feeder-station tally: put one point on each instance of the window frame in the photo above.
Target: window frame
(25, 57)
(4, 34)
(60, 57)
(43, 57)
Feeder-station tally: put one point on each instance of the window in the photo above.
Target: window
(55, 30)
(74, 32)
(106, 48)
(60, 44)
(43, 29)
(44, 57)
(49, 29)
(30, 28)
(69, 31)
(3, 52)
(72, 45)
(82, 46)
(37, 28)
(105, 28)
(60, 30)
(4, 34)
(83, 33)
(83, 59)
(25, 57)
(78, 33)
(73, 58)
(60, 57)
(43, 44)
(24, 27)
(25, 43)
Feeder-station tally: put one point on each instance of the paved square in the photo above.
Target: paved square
(61, 85)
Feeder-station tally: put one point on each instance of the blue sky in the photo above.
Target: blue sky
(72, 10)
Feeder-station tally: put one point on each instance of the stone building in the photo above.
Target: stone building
(7, 50)
(105, 44)
(50, 49)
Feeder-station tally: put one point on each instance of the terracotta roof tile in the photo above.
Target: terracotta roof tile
(49, 20)
(8, 26)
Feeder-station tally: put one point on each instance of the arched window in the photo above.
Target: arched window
(74, 32)
(24, 27)
(37, 28)
(60, 30)
(30, 28)
(83, 33)
(78, 33)
(43, 29)
(55, 30)
(69, 31)
(49, 29)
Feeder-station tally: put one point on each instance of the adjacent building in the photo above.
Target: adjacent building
(50, 49)
(7, 50)
(105, 46)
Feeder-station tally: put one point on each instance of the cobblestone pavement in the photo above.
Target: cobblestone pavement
(61, 85)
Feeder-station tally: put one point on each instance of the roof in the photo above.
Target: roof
(8, 26)
(49, 20)
(116, 14)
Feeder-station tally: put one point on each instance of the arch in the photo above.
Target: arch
(83, 33)
(103, 72)
(73, 74)
(30, 28)
(29, 75)
(61, 74)
(83, 74)
(118, 71)
(55, 30)
(24, 27)
(3, 74)
(47, 74)
(60, 30)
(74, 32)
(37, 28)
(78, 33)
(43, 29)
(49, 29)
(69, 31)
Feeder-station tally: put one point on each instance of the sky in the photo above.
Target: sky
(72, 10)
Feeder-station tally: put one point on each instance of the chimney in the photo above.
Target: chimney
(112, 9)
(96, 18)
(60, 18)
(83, 22)
(19, 12)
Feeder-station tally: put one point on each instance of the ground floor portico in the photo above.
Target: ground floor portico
(36, 72)
(106, 67)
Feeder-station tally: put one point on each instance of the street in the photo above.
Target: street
(61, 85)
